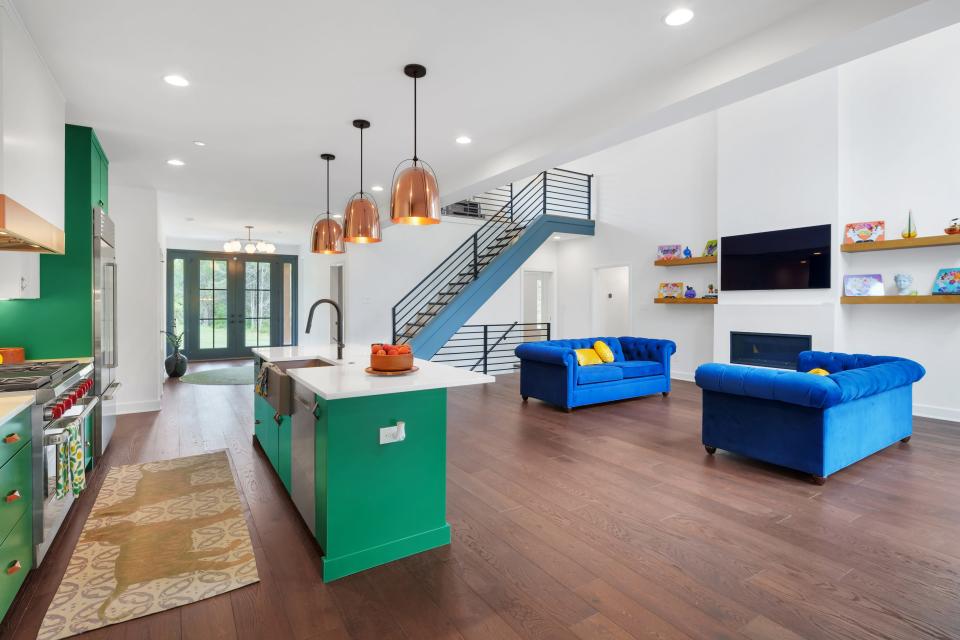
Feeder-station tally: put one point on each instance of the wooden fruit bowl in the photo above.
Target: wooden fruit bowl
(401, 362)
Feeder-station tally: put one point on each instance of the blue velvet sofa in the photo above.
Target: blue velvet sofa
(549, 371)
(815, 424)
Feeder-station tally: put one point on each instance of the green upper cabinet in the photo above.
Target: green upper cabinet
(59, 324)
(99, 173)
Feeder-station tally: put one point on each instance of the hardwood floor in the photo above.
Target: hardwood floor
(610, 522)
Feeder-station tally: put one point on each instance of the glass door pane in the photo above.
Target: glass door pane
(212, 306)
(257, 304)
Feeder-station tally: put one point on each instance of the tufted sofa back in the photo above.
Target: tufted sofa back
(587, 343)
(837, 362)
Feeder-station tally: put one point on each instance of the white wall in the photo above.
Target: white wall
(900, 114)
(658, 189)
(140, 296)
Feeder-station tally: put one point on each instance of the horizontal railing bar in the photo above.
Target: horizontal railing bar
(579, 173)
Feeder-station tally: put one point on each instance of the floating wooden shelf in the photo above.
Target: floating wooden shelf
(930, 299)
(685, 300)
(909, 243)
(680, 262)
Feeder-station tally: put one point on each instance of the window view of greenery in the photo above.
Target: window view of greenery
(213, 304)
(178, 297)
(257, 304)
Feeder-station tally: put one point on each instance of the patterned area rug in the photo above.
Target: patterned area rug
(161, 535)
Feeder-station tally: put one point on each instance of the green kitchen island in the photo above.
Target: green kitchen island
(363, 457)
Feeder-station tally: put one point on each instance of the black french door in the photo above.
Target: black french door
(228, 303)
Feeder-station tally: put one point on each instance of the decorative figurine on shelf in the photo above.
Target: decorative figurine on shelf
(954, 227)
(711, 292)
(690, 292)
(904, 281)
(710, 249)
(911, 230)
(687, 253)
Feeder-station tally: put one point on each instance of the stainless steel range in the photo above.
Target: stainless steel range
(62, 395)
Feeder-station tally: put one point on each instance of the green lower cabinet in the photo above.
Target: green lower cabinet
(265, 428)
(274, 438)
(16, 560)
(16, 488)
(88, 442)
(283, 452)
(377, 503)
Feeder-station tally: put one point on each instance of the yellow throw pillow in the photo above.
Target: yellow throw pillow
(603, 351)
(819, 372)
(587, 357)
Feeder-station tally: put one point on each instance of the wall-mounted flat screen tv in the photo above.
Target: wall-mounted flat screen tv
(787, 259)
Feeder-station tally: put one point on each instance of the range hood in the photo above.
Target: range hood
(23, 230)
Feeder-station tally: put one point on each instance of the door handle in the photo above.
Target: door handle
(12, 438)
(13, 567)
(13, 496)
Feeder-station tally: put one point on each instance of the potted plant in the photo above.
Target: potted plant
(176, 362)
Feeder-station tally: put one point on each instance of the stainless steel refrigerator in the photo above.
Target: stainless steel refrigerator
(104, 330)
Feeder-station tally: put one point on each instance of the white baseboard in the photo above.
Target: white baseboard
(938, 413)
(138, 407)
(686, 376)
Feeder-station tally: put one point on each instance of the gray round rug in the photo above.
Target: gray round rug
(223, 375)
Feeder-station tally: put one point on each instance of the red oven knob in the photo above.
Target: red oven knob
(57, 410)
(67, 403)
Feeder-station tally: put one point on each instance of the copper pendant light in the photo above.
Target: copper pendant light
(361, 220)
(327, 233)
(415, 198)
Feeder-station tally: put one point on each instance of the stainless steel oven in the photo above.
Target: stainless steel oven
(104, 330)
(53, 509)
(63, 394)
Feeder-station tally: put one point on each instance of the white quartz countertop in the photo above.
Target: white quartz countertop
(11, 405)
(347, 378)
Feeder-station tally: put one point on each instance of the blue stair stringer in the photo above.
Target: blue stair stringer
(460, 309)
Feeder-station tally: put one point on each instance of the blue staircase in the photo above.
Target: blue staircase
(555, 201)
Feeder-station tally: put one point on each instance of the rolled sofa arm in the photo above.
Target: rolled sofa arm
(549, 354)
(869, 381)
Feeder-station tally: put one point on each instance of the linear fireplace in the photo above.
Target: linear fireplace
(776, 350)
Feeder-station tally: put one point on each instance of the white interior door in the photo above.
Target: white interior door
(537, 299)
(611, 301)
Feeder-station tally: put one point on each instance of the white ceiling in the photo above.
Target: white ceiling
(275, 84)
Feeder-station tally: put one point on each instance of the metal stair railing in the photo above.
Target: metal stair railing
(490, 347)
(558, 191)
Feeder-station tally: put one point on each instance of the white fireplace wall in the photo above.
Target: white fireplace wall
(778, 168)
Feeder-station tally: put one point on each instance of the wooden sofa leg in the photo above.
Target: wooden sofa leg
(907, 439)
(568, 409)
(818, 480)
(710, 450)
(525, 398)
(665, 393)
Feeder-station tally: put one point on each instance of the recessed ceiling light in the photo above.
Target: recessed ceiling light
(200, 143)
(376, 187)
(189, 219)
(175, 162)
(177, 81)
(464, 140)
(678, 17)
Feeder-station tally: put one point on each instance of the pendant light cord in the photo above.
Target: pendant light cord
(361, 162)
(414, 120)
(328, 190)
